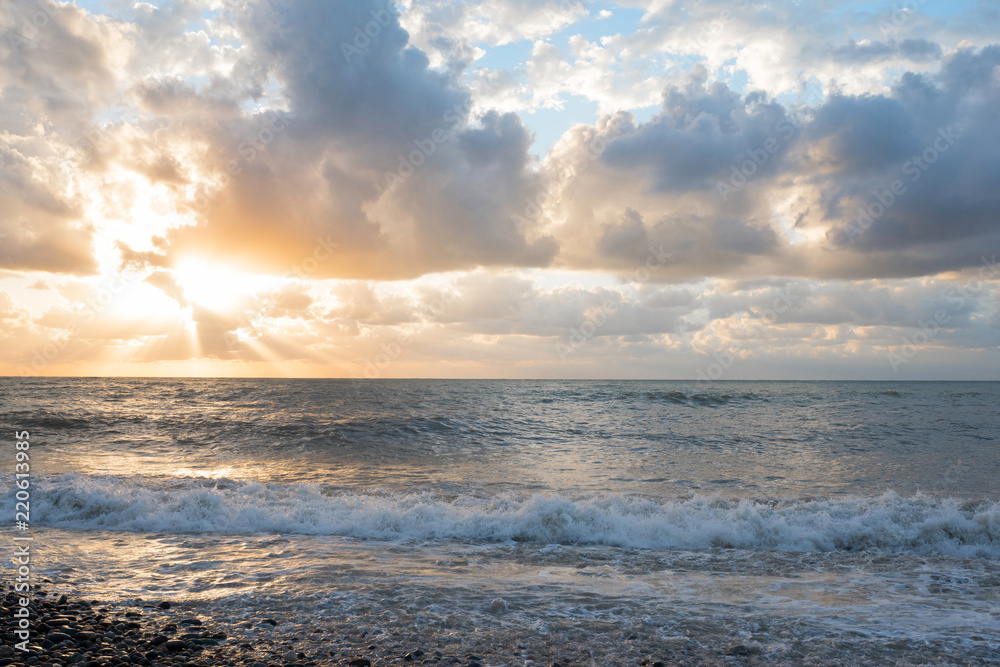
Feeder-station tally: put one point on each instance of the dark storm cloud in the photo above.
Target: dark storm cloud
(935, 139)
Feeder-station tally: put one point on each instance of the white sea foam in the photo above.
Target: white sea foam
(887, 522)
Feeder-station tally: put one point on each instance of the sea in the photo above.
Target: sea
(779, 522)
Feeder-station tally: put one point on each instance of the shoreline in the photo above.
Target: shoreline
(68, 630)
(94, 633)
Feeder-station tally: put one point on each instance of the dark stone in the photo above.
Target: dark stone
(360, 662)
(62, 600)
(270, 621)
(408, 657)
(176, 645)
(56, 637)
(658, 663)
(740, 650)
(158, 639)
(190, 621)
(164, 605)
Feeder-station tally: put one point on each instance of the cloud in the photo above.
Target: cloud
(623, 192)
(55, 63)
(41, 223)
(494, 22)
(933, 138)
(13, 319)
(375, 150)
(378, 160)
(899, 184)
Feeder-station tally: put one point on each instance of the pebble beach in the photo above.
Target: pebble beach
(91, 633)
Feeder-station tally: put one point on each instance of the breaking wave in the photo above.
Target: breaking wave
(888, 522)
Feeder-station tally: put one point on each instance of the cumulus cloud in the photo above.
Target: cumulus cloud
(771, 178)
(375, 150)
(897, 184)
(55, 63)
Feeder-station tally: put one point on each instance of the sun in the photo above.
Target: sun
(218, 287)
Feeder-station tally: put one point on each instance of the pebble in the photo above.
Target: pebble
(72, 632)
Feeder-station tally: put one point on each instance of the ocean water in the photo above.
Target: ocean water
(833, 522)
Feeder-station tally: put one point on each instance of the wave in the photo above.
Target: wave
(888, 522)
(45, 420)
(702, 399)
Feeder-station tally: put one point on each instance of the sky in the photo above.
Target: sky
(508, 188)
